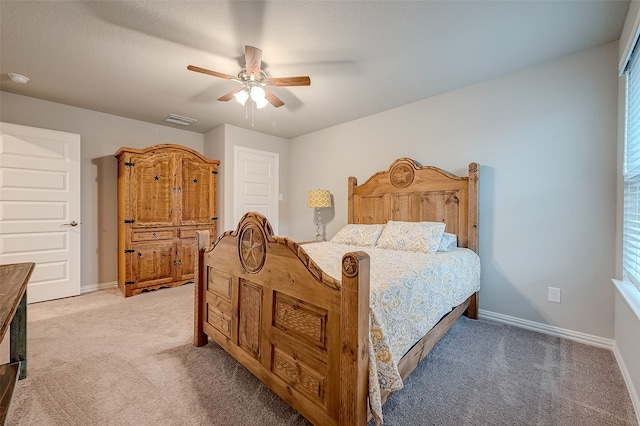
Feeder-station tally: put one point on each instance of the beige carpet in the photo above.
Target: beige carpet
(101, 359)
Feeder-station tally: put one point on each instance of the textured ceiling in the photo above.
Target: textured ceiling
(129, 58)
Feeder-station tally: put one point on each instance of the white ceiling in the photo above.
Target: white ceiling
(130, 58)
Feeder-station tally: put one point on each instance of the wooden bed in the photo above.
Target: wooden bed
(302, 332)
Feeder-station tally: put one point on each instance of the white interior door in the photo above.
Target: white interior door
(40, 207)
(256, 184)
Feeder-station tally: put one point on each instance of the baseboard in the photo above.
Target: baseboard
(635, 399)
(95, 287)
(576, 336)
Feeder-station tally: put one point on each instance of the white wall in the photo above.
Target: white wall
(222, 141)
(101, 136)
(546, 141)
(214, 148)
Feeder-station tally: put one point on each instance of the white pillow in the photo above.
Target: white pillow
(411, 236)
(358, 235)
(448, 242)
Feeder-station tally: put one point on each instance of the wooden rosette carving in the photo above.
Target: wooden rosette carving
(401, 175)
(252, 248)
(349, 266)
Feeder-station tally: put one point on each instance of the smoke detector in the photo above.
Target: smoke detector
(18, 78)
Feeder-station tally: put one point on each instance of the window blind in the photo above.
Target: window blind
(631, 209)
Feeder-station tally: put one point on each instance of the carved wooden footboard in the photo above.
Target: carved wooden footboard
(301, 332)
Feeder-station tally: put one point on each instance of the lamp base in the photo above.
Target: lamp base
(318, 227)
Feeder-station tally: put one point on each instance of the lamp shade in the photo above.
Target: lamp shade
(319, 198)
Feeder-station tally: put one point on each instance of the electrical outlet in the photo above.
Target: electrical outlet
(554, 295)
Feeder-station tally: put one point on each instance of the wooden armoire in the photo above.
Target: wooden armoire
(165, 193)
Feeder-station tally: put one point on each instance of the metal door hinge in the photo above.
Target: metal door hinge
(129, 282)
(129, 221)
(130, 251)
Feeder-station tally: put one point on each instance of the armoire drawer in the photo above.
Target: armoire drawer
(151, 235)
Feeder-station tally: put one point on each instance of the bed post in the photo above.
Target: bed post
(354, 339)
(352, 184)
(473, 218)
(474, 172)
(199, 272)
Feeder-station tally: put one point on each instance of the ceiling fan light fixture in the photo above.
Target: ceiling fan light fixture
(261, 103)
(257, 93)
(241, 96)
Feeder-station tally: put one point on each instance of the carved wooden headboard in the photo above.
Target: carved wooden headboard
(412, 193)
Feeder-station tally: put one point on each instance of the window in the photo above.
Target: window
(631, 209)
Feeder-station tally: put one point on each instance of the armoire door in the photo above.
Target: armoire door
(153, 190)
(197, 193)
(152, 263)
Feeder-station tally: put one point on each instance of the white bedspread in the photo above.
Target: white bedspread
(410, 292)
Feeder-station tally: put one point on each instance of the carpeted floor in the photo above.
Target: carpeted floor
(101, 359)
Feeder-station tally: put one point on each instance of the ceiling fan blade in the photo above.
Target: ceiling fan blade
(273, 99)
(213, 73)
(229, 95)
(289, 81)
(253, 60)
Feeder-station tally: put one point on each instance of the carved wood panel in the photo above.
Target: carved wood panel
(219, 283)
(249, 317)
(298, 375)
(220, 320)
(306, 321)
(218, 298)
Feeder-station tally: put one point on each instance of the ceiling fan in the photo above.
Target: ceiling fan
(253, 81)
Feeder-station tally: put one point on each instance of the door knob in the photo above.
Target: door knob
(72, 223)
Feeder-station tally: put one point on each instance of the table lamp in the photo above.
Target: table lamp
(319, 198)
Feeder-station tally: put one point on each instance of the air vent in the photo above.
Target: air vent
(178, 119)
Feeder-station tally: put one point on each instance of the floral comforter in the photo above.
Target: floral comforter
(410, 292)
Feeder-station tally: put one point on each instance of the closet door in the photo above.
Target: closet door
(40, 208)
(152, 190)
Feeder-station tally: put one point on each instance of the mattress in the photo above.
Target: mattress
(410, 293)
